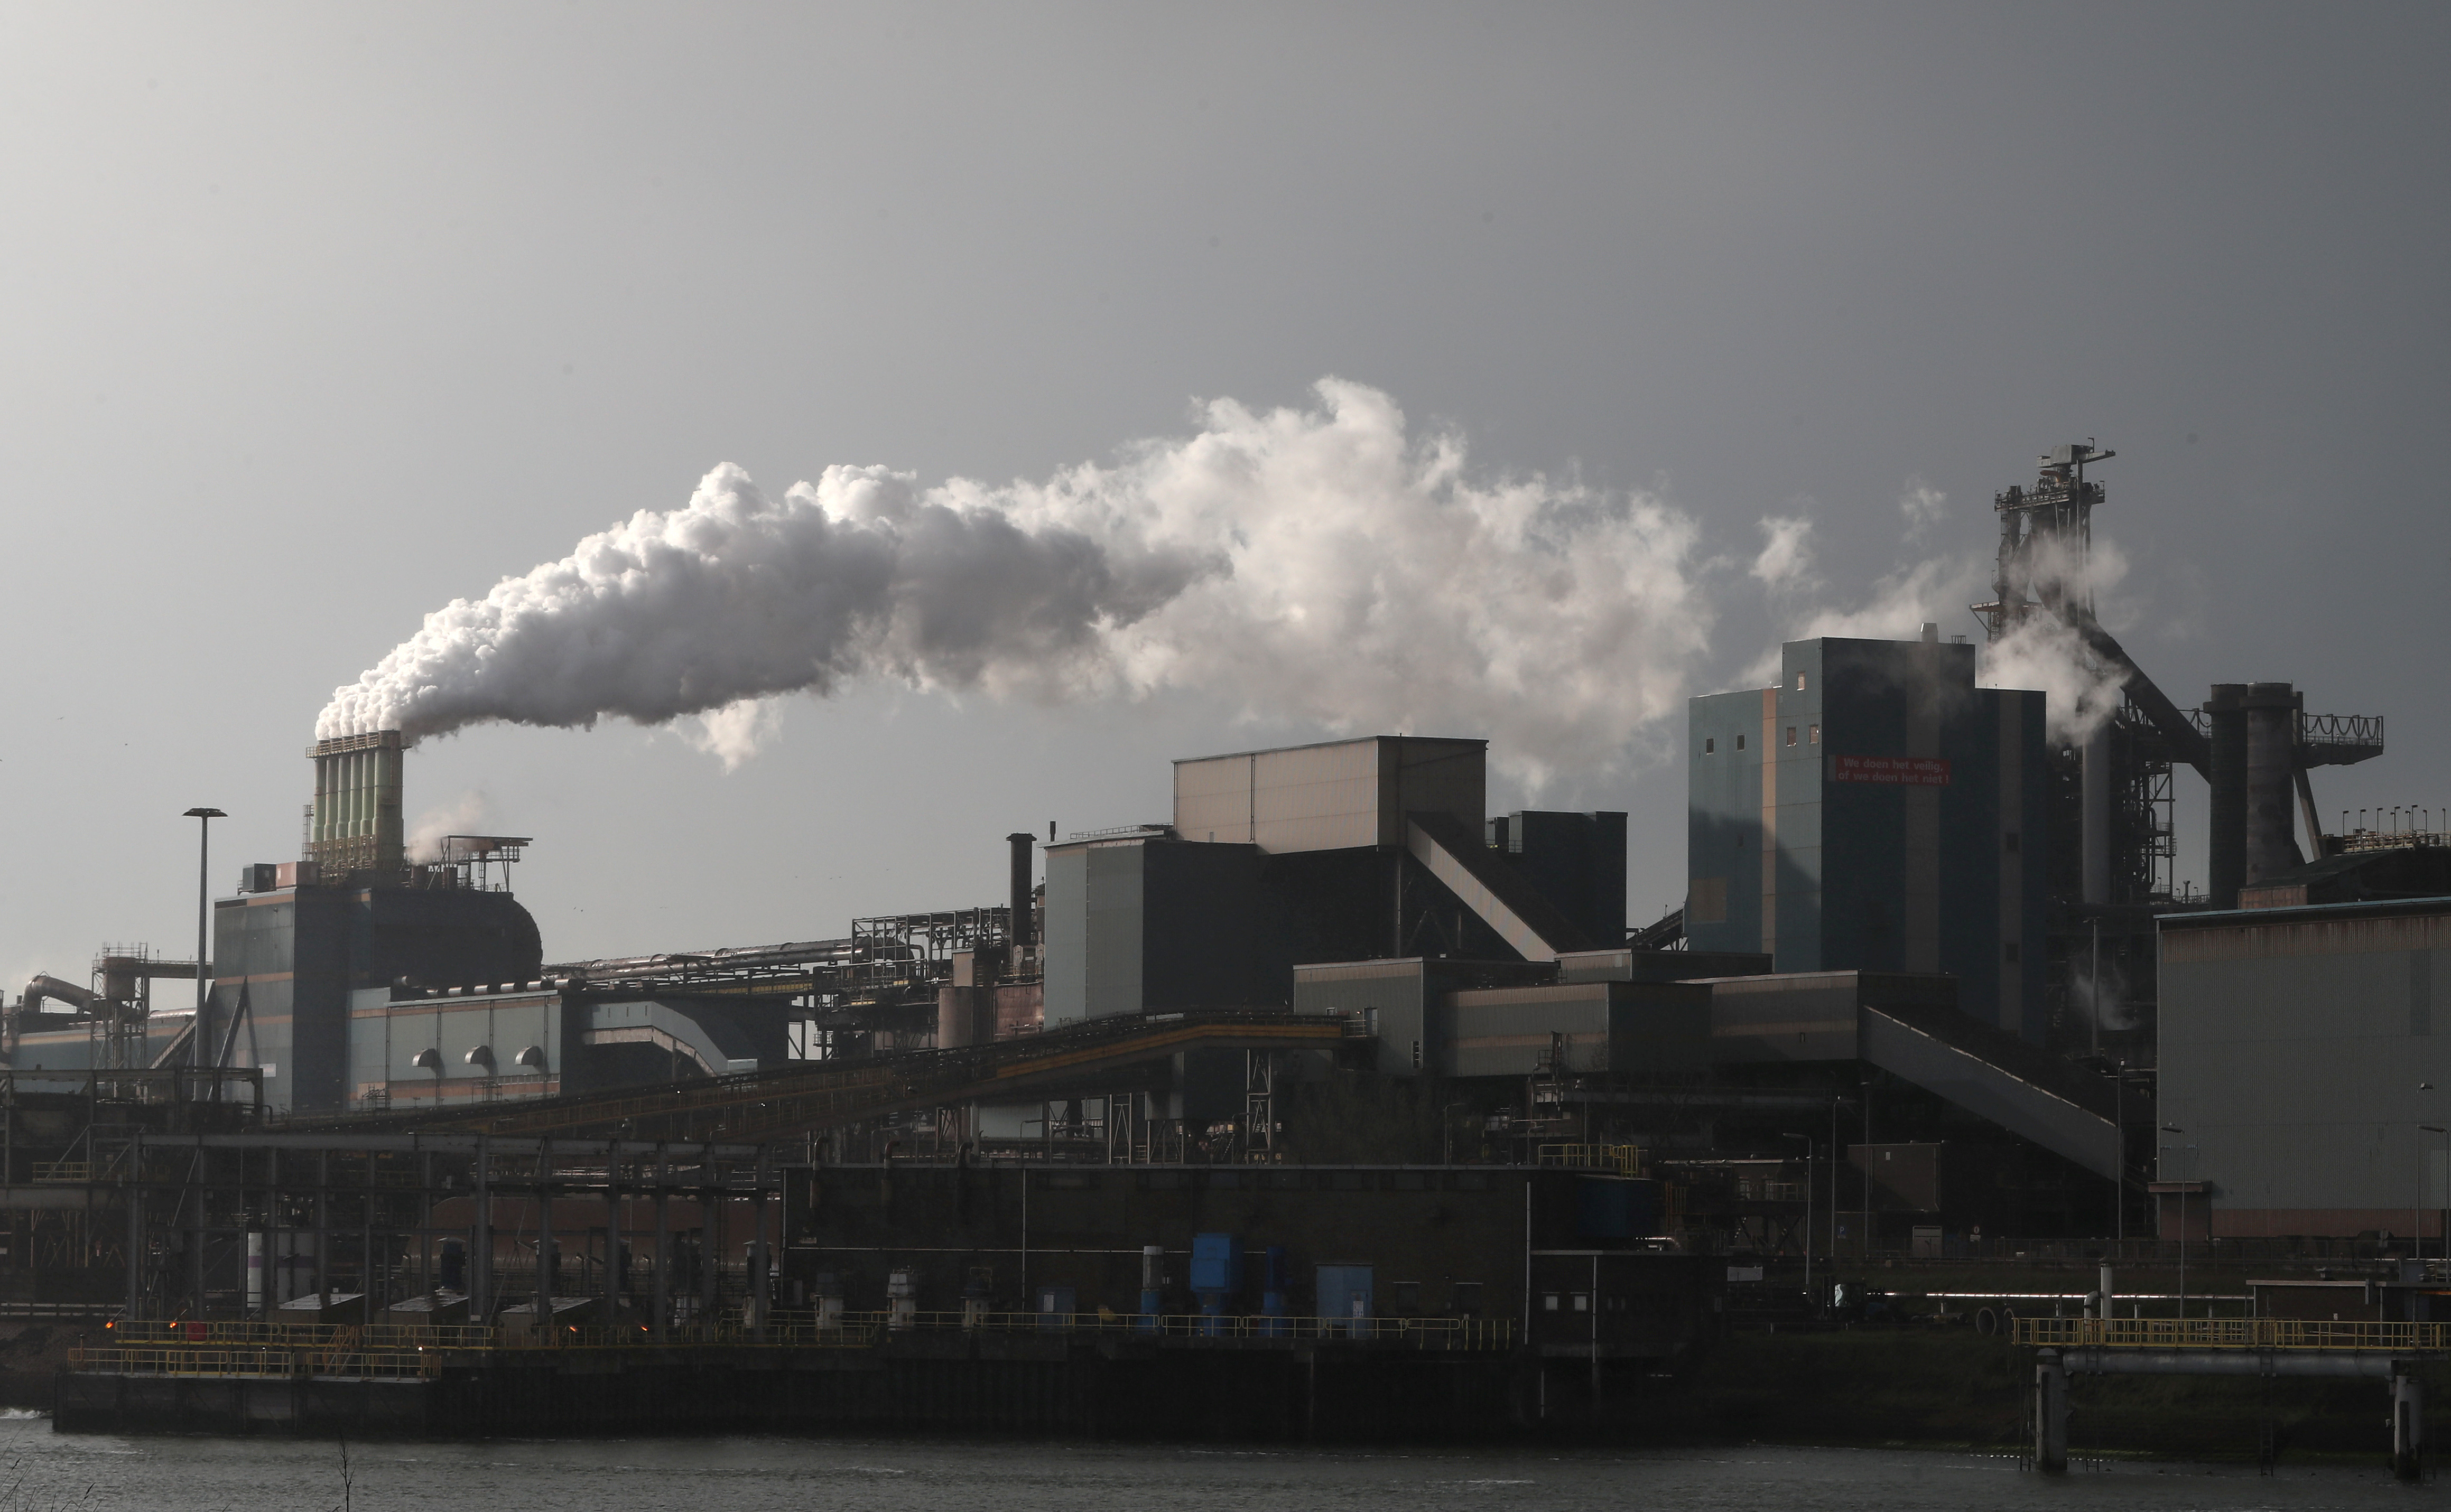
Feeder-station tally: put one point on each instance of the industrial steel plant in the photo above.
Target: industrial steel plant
(1330, 1102)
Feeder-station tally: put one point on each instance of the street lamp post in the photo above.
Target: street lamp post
(1808, 1207)
(200, 1054)
(2171, 1128)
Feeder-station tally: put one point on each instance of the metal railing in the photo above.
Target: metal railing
(2231, 1333)
(405, 1351)
(1625, 1160)
(235, 1333)
(801, 1332)
(186, 1360)
(1419, 1333)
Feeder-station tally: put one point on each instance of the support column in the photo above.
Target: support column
(367, 1306)
(426, 1227)
(2051, 1414)
(546, 1260)
(759, 1288)
(663, 1251)
(323, 1232)
(135, 1250)
(710, 1245)
(2407, 1424)
(612, 1232)
(481, 1262)
(196, 1234)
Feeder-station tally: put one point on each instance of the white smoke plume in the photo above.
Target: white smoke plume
(2041, 653)
(1785, 563)
(471, 813)
(737, 731)
(1923, 507)
(1322, 563)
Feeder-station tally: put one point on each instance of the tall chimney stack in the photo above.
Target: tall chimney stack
(1021, 841)
(355, 825)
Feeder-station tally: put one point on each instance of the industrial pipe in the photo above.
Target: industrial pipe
(2225, 847)
(1020, 931)
(47, 986)
(2272, 716)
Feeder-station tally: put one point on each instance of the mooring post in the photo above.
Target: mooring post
(2050, 1413)
(2407, 1421)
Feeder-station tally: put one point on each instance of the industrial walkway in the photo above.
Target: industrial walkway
(2292, 1334)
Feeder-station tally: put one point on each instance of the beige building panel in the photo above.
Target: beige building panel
(1212, 799)
(1336, 796)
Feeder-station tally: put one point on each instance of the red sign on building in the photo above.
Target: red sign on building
(1897, 771)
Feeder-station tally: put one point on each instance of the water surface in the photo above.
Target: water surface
(40, 1471)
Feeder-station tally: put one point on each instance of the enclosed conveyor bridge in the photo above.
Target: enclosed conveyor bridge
(1884, 1021)
(825, 1094)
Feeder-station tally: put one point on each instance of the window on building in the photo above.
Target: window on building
(1815, 736)
(1799, 682)
(2008, 953)
(1582, 1302)
(1548, 1302)
(1710, 746)
(1468, 1298)
(1405, 1298)
(1740, 743)
(1791, 734)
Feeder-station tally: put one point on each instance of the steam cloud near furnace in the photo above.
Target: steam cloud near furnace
(1319, 564)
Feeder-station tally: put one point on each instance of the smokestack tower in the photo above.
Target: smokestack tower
(355, 824)
(1021, 842)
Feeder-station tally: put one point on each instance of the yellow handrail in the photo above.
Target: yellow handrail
(1625, 1160)
(2231, 1333)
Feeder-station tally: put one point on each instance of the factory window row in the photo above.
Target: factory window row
(1659, 1304)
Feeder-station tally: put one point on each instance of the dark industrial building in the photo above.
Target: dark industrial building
(1876, 811)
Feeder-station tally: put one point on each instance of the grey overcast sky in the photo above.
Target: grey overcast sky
(317, 317)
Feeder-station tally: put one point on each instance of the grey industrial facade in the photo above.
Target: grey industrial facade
(1876, 811)
(2301, 1052)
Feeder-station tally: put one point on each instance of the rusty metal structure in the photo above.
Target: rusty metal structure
(2113, 852)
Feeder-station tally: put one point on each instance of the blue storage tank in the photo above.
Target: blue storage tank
(1216, 1264)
